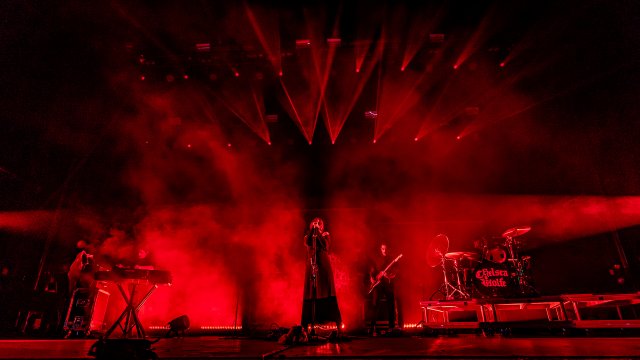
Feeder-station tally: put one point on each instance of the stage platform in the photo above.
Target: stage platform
(564, 312)
(464, 346)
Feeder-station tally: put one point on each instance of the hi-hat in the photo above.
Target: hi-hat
(516, 231)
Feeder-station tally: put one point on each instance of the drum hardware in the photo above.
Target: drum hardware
(463, 264)
(500, 271)
(437, 255)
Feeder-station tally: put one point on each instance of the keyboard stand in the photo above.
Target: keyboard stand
(129, 317)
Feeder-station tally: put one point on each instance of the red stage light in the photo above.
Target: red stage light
(237, 74)
(269, 143)
(189, 146)
(357, 70)
(185, 76)
(280, 73)
(229, 145)
(455, 67)
(374, 141)
(142, 78)
(458, 137)
(303, 43)
(415, 139)
(402, 68)
(502, 64)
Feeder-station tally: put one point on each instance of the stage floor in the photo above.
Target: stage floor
(458, 347)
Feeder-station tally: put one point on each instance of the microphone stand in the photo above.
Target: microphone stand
(314, 284)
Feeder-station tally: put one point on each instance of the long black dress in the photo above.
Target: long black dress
(326, 303)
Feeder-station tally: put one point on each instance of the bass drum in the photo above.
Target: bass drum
(494, 280)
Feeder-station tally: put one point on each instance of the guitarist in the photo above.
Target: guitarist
(385, 289)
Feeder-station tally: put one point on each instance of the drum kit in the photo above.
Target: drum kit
(496, 271)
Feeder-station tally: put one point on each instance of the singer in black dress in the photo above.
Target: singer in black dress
(319, 287)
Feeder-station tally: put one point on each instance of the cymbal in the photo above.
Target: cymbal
(436, 250)
(516, 231)
(459, 255)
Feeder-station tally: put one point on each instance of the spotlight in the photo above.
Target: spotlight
(371, 114)
(415, 139)
(455, 67)
(502, 64)
(334, 41)
(185, 76)
(458, 137)
(271, 118)
(303, 43)
(436, 38)
(203, 47)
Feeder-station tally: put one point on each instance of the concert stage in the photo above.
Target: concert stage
(466, 346)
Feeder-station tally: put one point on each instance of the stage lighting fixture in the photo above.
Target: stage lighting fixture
(271, 118)
(203, 47)
(436, 38)
(371, 114)
(303, 43)
(472, 110)
(334, 41)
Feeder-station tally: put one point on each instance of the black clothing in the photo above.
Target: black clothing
(384, 294)
(326, 303)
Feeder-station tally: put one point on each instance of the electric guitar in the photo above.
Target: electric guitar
(384, 272)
